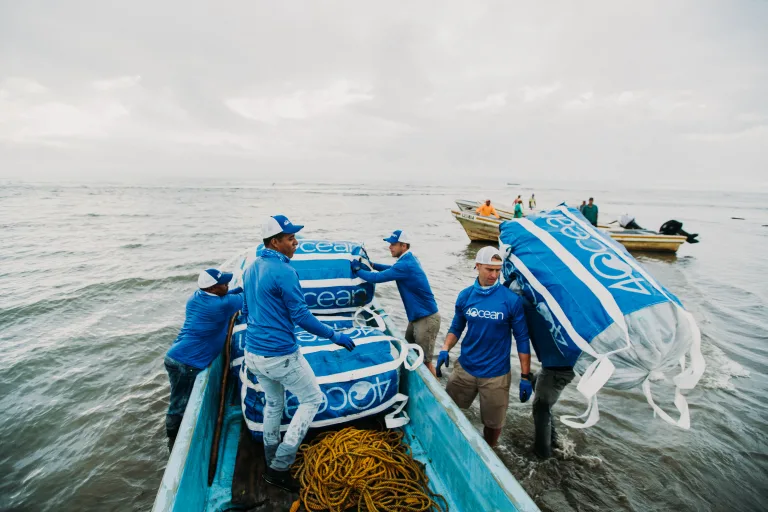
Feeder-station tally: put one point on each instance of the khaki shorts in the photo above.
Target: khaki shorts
(424, 332)
(462, 387)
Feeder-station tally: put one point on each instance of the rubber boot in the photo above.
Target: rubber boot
(281, 479)
(542, 421)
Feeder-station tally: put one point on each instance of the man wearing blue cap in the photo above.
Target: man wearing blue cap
(274, 304)
(412, 283)
(201, 339)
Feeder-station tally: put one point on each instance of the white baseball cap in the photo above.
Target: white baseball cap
(485, 256)
(278, 224)
(212, 276)
(398, 235)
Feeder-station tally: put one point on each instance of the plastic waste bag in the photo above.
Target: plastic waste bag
(607, 314)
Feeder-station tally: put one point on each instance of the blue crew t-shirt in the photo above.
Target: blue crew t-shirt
(205, 328)
(490, 316)
(412, 283)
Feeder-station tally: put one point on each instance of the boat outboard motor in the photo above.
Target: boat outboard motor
(674, 227)
(627, 221)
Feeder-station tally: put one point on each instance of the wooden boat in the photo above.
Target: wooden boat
(459, 463)
(466, 205)
(486, 229)
(644, 240)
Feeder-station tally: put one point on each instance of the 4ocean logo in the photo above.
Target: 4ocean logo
(342, 399)
(484, 313)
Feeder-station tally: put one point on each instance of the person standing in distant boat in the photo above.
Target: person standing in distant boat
(200, 340)
(532, 202)
(590, 212)
(487, 210)
(274, 304)
(490, 313)
(518, 209)
(418, 299)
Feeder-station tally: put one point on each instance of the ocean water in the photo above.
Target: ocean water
(95, 279)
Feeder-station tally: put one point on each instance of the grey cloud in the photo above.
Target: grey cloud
(435, 89)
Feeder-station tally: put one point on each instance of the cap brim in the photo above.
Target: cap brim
(390, 240)
(293, 228)
(225, 277)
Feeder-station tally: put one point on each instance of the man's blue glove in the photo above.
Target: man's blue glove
(442, 359)
(356, 265)
(343, 340)
(239, 289)
(526, 390)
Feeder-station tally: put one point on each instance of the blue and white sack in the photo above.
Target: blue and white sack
(324, 272)
(355, 384)
(362, 317)
(614, 321)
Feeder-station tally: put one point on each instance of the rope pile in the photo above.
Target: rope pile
(370, 470)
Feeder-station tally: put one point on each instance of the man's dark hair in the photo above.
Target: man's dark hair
(273, 237)
(591, 198)
(407, 245)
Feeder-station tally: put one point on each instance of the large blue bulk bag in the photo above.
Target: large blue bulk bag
(324, 272)
(355, 384)
(362, 317)
(606, 313)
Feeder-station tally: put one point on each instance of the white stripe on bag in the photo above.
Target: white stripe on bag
(329, 283)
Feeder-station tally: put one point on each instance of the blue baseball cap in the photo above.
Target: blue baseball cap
(398, 235)
(213, 276)
(278, 224)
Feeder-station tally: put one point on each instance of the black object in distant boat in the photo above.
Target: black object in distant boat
(674, 227)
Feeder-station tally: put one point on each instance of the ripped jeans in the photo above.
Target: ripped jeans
(276, 374)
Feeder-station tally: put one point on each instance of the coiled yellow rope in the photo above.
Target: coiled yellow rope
(371, 470)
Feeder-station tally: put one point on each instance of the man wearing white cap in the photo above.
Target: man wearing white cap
(417, 296)
(489, 312)
(274, 305)
(201, 339)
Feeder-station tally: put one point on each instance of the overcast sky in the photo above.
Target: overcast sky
(650, 90)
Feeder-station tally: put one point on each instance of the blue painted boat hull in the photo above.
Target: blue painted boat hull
(459, 463)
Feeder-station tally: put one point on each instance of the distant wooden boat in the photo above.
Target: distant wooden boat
(466, 205)
(486, 229)
(644, 240)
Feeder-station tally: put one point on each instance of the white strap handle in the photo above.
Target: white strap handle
(380, 325)
(392, 420)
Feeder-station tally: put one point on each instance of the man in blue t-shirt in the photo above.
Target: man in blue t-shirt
(201, 339)
(489, 312)
(274, 305)
(418, 299)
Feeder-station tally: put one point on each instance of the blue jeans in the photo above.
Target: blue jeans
(182, 377)
(276, 374)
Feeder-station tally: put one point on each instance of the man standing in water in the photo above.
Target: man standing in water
(412, 283)
(490, 313)
(274, 304)
(589, 211)
(532, 202)
(555, 374)
(201, 339)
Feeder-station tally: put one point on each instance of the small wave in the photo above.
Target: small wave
(93, 215)
(121, 286)
(131, 246)
(720, 370)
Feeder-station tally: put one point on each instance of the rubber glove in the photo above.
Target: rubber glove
(355, 265)
(343, 340)
(239, 289)
(442, 359)
(526, 390)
